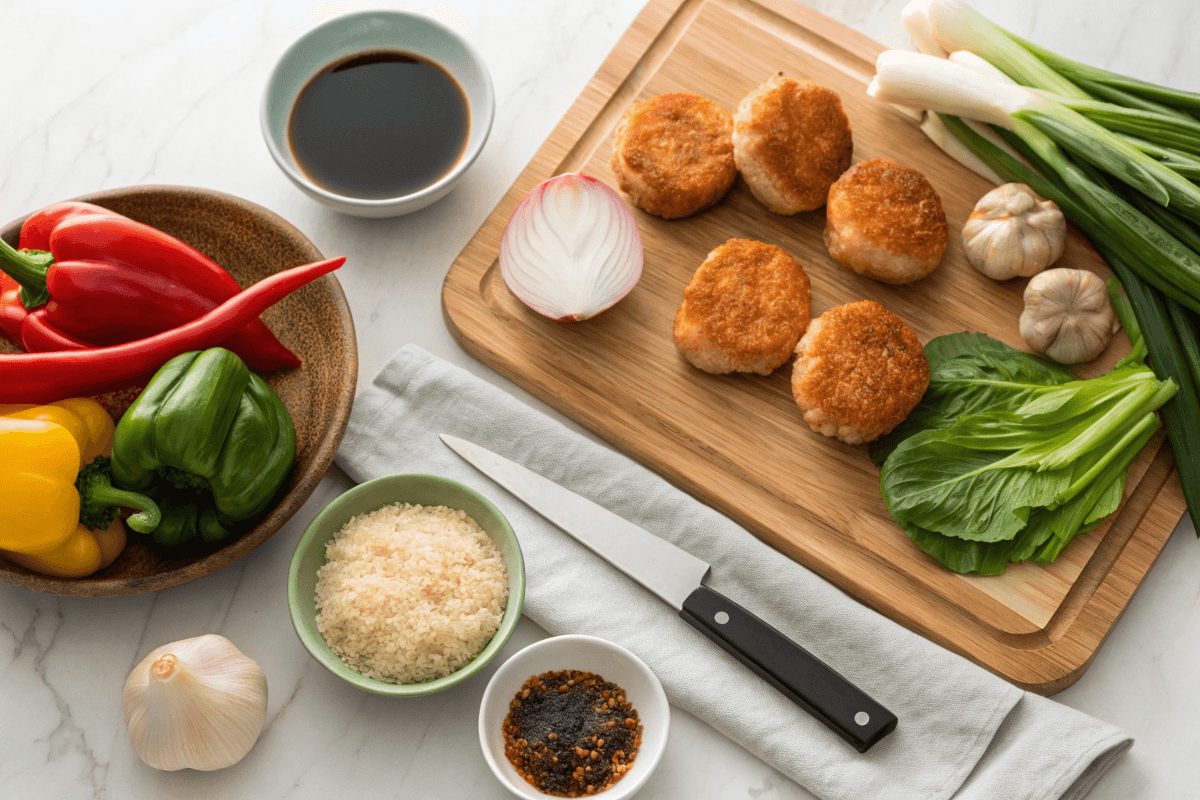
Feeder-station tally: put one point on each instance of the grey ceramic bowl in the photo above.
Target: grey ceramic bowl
(376, 30)
(367, 497)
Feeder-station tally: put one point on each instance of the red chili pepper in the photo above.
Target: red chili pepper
(92, 275)
(46, 377)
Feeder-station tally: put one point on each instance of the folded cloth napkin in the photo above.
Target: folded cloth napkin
(962, 732)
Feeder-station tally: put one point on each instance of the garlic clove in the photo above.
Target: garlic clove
(1014, 233)
(198, 703)
(1067, 316)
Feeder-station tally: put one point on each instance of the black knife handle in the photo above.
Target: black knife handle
(802, 677)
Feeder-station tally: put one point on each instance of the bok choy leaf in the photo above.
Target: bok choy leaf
(1009, 457)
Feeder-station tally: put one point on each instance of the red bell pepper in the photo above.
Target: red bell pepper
(91, 277)
(49, 376)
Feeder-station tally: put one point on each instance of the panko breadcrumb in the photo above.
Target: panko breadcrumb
(859, 371)
(791, 141)
(673, 154)
(885, 221)
(744, 310)
(410, 593)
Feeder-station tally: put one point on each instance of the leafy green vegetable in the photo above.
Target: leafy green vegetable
(1009, 457)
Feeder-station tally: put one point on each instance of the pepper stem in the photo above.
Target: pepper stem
(28, 268)
(99, 500)
(143, 522)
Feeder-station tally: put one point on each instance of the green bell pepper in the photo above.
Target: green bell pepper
(211, 442)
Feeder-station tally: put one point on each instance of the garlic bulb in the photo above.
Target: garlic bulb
(1067, 315)
(197, 703)
(1013, 232)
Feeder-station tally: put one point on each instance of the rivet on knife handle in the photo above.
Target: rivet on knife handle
(802, 677)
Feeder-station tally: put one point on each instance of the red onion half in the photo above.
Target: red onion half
(571, 249)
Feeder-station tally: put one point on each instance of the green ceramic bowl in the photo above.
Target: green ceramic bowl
(417, 489)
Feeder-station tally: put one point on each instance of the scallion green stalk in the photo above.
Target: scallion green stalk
(940, 135)
(1189, 342)
(957, 26)
(1160, 258)
(1181, 414)
(1128, 320)
(1185, 164)
(1120, 97)
(1073, 70)
(1176, 132)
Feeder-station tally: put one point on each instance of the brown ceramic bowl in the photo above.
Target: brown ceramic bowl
(251, 243)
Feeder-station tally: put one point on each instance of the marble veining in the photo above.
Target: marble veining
(121, 93)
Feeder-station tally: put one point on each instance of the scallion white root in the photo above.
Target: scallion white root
(957, 26)
(916, 22)
(939, 134)
(933, 83)
(981, 65)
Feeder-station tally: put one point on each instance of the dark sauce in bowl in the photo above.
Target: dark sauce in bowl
(379, 124)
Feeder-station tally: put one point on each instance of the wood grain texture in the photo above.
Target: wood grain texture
(738, 442)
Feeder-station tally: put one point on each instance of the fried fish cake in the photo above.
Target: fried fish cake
(791, 141)
(673, 154)
(859, 371)
(885, 221)
(744, 310)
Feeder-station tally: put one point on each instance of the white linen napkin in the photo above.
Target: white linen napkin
(962, 732)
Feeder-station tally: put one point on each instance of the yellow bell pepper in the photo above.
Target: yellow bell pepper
(43, 450)
(83, 553)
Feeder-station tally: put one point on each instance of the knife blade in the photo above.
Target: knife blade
(676, 577)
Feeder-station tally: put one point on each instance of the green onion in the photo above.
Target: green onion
(1177, 132)
(1189, 344)
(1181, 414)
(946, 87)
(1174, 98)
(1183, 230)
(1185, 164)
(957, 26)
(1120, 97)
(1124, 312)
(1159, 257)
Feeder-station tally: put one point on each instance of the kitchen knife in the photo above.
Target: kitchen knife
(675, 576)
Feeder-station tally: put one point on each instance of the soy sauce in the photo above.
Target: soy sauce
(379, 124)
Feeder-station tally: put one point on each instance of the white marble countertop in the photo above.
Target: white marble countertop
(105, 95)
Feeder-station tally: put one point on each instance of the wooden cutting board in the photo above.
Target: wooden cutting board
(738, 442)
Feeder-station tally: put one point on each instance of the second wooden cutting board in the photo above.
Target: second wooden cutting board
(738, 443)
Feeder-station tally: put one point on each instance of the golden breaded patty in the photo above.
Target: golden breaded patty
(859, 371)
(885, 221)
(673, 154)
(791, 141)
(744, 310)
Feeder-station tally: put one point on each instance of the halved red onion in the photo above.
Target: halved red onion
(571, 249)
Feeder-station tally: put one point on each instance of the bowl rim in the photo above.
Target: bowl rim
(299, 605)
(470, 152)
(623, 788)
(306, 482)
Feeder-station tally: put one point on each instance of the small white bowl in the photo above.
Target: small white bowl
(589, 654)
(376, 30)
